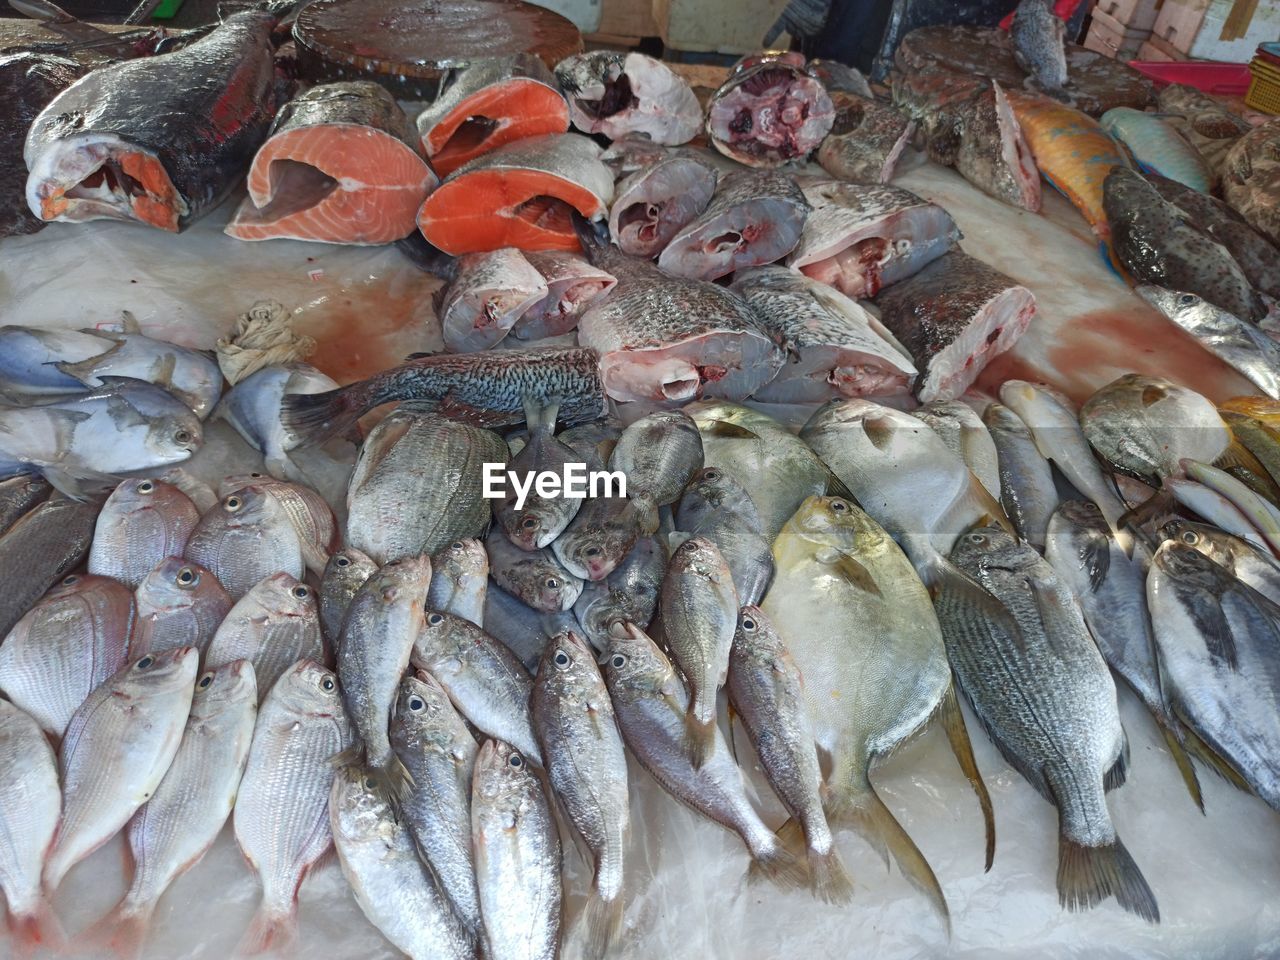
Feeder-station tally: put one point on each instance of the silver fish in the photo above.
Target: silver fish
(521, 629)
(537, 578)
(39, 550)
(344, 575)
(657, 201)
(253, 407)
(310, 514)
(179, 604)
(540, 519)
(965, 435)
(246, 537)
(1027, 491)
(142, 523)
(572, 284)
(460, 580)
(620, 94)
(717, 508)
(1253, 566)
(629, 594)
(603, 533)
(487, 295)
(1217, 509)
(659, 454)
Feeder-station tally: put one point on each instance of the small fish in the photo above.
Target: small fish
(1217, 509)
(179, 604)
(718, 509)
(39, 550)
(1259, 512)
(1258, 568)
(603, 533)
(1027, 491)
(1157, 147)
(657, 201)
(255, 408)
(572, 284)
(866, 139)
(1039, 43)
(459, 580)
(141, 523)
(536, 577)
(344, 575)
(19, 496)
(659, 454)
(535, 523)
(769, 111)
(520, 628)
(629, 594)
(246, 537)
(965, 435)
(489, 292)
(308, 511)
(629, 94)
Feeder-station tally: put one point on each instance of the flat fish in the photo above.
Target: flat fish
(522, 194)
(656, 202)
(179, 604)
(866, 139)
(860, 238)
(141, 523)
(769, 111)
(39, 550)
(491, 102)
(1157, 147)
(572, 285)
(955, 316)
(487, 295)
(659, 454)
(341, 166)
(253, 407)
(161, 139)
(629, 94)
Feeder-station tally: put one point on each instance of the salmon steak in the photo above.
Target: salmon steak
(769, 111)
(491, 102)
(656, 202)
(341, 166)
(629, 94)
(520, 195)
(160, 140)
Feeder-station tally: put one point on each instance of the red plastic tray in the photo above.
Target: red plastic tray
(1224, 79)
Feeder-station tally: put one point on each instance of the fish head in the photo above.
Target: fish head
(568, 663)
(176, 584)
(1185, 564)
(634, 666)
(173, 431)
(592, 550)
(155, 673)
(423, 712)
(462, 560)
(756, 637)
(361, 809)
(247, 507)
(239, 481)
(348, 565)
(1000, 418)
(308, 689)
(710, 491)
(137, 494)
(400, 580)
(990, 546)
(699, 557)
(502, 777)
(283, 594)
(1185, 309)
(1085, 516)
(836, 523)
(527, 528)
(225, 690)
(77, 583)
(441, 633)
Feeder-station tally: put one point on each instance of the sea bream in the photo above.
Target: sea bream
(1157, 147)
(859, 238)
(572, 284)
(159, 139)
(866, 139)
(341, 166)
(834, 347)
(654, 203)
(490, 102)
(619, 94)
(769, 111)
(754, 218)
(520, 195)
(955, 316)
(489, 292)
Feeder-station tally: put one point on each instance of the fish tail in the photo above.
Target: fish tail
(602, 921)
(1088, 875)
(36, 931)
(270, 931)
(958, 736)
(1178, 751)
(1214, 761)
(315, 417)
(828, 878)
(700, 735)
(775, 863)
(123, 930)
(393, 778)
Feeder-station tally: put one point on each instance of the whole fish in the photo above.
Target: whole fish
(281, 814)
(417, 485)
(754, 218)
(1233, 340)
(1145, 426)
(657, 201)
(572, 284)
(72, 640)
(178, 825)
(1027, 491)
(344, 575)
(769, 111)
(717, 508)
(586, 764)
(1249, 177)
(629, 594)
(39, 550)
(255, 408)
(603, 533)
(1244, 560)
(489, 292)
(659, 454)
(378, 634)
(1157, 147)
(1217, 509)
(141, 523)
(537, 578)
(156, 139)
(965, 435)
(19, 496)
(860, 238)
(834, 347)
(1039, 39)
(517, 854)
(459, 580)
(116, 750)
(650, 703)
(520, 628)
(179, 604)
(1156, 245)
(246, 537)
(433, 742)
(308, 511)
(1045, 696)
(866, 139)
(767, 692)
(271, 627)
(1260, 512)
(537, 521)
(392, 885)
(30, 805)
(489, 387)
(627, 94)
(485, 681)
(776, 468)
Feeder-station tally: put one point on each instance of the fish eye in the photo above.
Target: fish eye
(435, 619)
(146, 486)
(562, 659)
(516, 760)
(592, 551)
(839, 506)
(1191, 537)
(369, 784)
(301, 592)
(327, 684)
(417, 704)
(457, 546)
(70, 581)
(255, 475)
(187, 577)
(343, 561)
(182, 437)
(713, 475)
(977, 538)
(233, 503)
(1187, 299)
(205, 681)
(748, 624)
(618, 661)
(146, 662)
(553, 583)
(529, 522)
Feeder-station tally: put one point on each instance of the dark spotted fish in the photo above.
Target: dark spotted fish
(1039, 43)
(1251, 178)
(865, 141)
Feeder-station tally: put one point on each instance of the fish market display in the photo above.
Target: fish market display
(254, 408)
(246, 537)
(866, 139)
(754, 218)
(39, 550)
(271, 627)
(769, 111)
(860, 238)
(1027, 491)
(656, 202)
(520, 195)
(178, 604)
(1250, 175)
(161, 139)
(954, 317)
(1157, 147)
(491, 102)
(1038, 43)
(620, 95)
(572, 284)
(142, 523)
(487, 295)
(341, 166)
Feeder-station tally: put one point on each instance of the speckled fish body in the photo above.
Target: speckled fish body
(865, 141)
(1039, 38)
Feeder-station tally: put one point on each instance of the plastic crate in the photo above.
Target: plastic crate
(1223, 79)
(1264, 94)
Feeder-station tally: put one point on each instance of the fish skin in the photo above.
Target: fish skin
(653, 204)
(141, 523)
(75, 638)
(417, 485)
(839, 77)
(572, 284)
(281, 816)
(179, 604)
(659, 454)
(188, 123)
(436, 747)
(779, 99)
(345, 574)
(866, 139)
(1157, 147)
(586, 764)
(1250, 175)
(540, 519)
(392, 885)
(619, 95)
(1145, 426)
(1039, 39)
(629, 593)
(39, 550)
(19, 496)
(1027, 491)
(718, 509)
(246, 537)
(116, 750)
(761, 212)
(490, 291)
(1244, 560)
(484, 679)
(523, 630)
(459, 580)
(1062, 732)
(965, 435)
(603, 533)
(271, 627)
(517, 854)
(536, 578)
(308, 511)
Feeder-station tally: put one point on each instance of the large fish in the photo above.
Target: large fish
(572, 284)
(1027, 491)
(1039, 39)
(1251, 179)
(769, 111)
(866, 139)
(1045, 696)
(179, 604)
(271, 627)
(954, 317)
(159, 139)
(1157, 147)
(246, 537)
(141, 523)
(718, 509)
(341, 166)
(490, 102)
(859, 238)
(522, 194)
(629, 94)
(489, 292)
(656, 202)
(39, 550)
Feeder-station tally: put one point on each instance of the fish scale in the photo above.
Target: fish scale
(142, 523)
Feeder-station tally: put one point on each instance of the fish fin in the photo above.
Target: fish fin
(391, 779)
(779, 866)
(1088, 875)
(860, 808)
(958, 736)
(1115, 777)
(269, 932)
(1211, 620)
(1153, 393)
(38, 932)
(1177, 749)
(724, 430)
(129, 323)
(78, 486)
(646, 514)
(837, 488)
(733, 738)
(82, 370)
(592, 234)
(854, 572)
(1239, 461)
(602, 923)
(541, 416)
(314, 556)
(828, 878)
(1095, 558)
(123, 931)
(314, 417)
(349, 757)
(1210, 757)
(700, 738)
